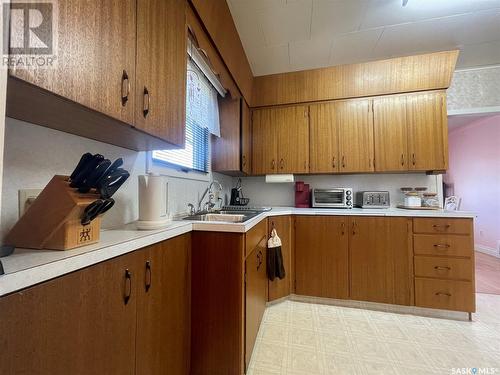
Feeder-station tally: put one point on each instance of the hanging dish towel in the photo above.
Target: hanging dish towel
(275, 267)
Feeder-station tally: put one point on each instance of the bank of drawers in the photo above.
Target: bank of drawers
(444, 263)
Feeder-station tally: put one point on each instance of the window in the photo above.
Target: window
(202, 118)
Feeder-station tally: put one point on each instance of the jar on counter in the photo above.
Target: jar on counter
(430, 200)
(412, 199)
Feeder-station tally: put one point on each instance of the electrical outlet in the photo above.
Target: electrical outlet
(26, 198)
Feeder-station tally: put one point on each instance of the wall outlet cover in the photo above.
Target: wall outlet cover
(26, 197)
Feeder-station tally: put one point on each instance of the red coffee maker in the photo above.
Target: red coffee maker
(302, 195)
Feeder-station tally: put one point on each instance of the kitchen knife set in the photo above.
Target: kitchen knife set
(96, 172)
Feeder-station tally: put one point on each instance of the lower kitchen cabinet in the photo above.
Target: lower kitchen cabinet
(321, 256)
(380, 256)
(279, 288)
(101, 320)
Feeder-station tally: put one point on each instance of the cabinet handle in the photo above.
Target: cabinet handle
(273, 164)
(441, 268)
(128, 286)
(147, 102)
(402, 160)
(441, 245)
(414, 160)
(443, 294)
(343, 161)
(353, 228)
(125, 88)
(342, 228)
(439, 227)
(282, 164)
(333, 162)
(149, 275)
(244, 161)
(259, 259)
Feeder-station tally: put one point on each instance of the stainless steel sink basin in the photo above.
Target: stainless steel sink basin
(225, 216)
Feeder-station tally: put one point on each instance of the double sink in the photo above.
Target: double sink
(225, 216)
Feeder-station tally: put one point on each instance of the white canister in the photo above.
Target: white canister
(413, 200)
(153, 202)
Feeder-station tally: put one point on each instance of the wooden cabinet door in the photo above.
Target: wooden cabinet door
(75, 324)
(321, 256)
(390, 133)
(355, 123)
(255, 295)
(282, 288)
(323, 139)
(163, 308)
(264, 142)
(380, 260)
(428, 131)
(246, 138)
(95, 57)
(293, 139)
(161, 69)
(226, 148)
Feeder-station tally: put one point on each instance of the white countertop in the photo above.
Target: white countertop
(27, 267)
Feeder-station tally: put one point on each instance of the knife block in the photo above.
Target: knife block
(53, 220)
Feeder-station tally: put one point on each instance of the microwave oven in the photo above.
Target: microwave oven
(333, 198)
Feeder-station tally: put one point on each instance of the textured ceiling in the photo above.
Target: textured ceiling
(289, 35)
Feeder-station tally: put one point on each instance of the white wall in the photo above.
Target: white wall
(262, 194)
(34, 154)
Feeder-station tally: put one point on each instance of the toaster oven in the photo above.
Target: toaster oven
(332, 198)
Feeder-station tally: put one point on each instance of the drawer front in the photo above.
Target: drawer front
(444, 268)
(443, 245)
(445, 294)
(254, 236)
(442, 226)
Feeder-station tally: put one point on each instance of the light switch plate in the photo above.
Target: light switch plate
(26, 197)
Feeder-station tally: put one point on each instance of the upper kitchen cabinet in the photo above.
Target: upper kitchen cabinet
(428, 131)
(95, 57)
(323, 139)
(390, 133)
(355, 122)
(246, 138)
(280, 140)
(119, 75)
(161, 69)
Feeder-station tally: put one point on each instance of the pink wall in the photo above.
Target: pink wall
(475, 172)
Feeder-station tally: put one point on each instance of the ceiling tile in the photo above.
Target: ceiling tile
(333, 17)
(287, 23)
(250, 32)
(473, 55)
(256, 4)
(269, 59)
(391, 12)
(354, 47)
(479, 27)
(310, 54)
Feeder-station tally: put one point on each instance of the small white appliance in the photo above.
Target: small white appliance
(153, 202)
(333, 198)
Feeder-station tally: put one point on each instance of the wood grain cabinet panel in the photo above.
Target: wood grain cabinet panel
(264, 141)
(355, 122)
(255, 295)
(161, 69)
(443, 268)
(75, 324)
(379, 260)
(443, 245)
(390, 133)
(323, 139)
(282, 288)
(96, 51)
(163, 308)
(226, 148)
(445, 294)
(428, 131)
(246, 138)
(321, 256)
(293, 139)
(443, 226)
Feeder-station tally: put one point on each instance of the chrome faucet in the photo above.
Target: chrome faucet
(210, 204)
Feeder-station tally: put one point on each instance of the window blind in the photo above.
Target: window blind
(202, 118)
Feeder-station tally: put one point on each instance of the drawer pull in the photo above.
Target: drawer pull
(441, 246)
(443, 294)
(438, 227)
(441, 268)
(128, 286)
